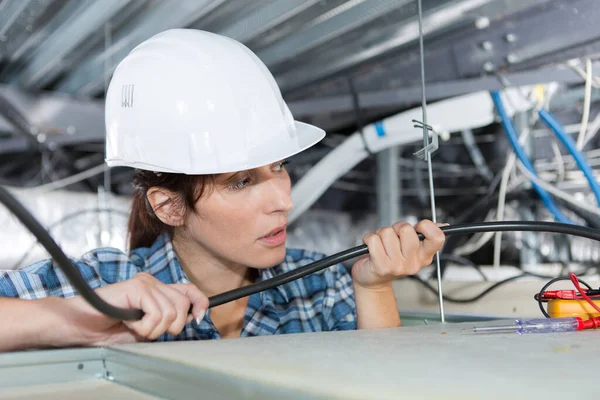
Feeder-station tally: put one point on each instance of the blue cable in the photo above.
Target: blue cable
(521, 155)
(569, 143)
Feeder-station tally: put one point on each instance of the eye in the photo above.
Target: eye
(240, 185)
(281, 165)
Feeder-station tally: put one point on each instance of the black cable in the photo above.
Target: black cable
(66, 265)
(504, 226)
(472, 299)
(133, 314)
(461, 261)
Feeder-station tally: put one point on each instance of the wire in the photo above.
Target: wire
(582, 292)
(547, 285)
(461, 261)
(472, 299)
(476, 156)
(68, 180)
(560, 162)
(587, 100)
(477, 241)
(506, 226)
(568, 142)
(520, 152)
(582, 74)
(82, 287)
(559, 193)
(510, 164)
(65, 263)
(593, 130)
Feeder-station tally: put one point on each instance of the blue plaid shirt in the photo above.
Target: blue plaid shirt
(323, 301)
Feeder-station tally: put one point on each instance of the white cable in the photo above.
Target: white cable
(587, 100)
(510, 165)
(582, 74)
(560, 162)
(593, 130)
(557, 192)
(67, 181)
(478, 240)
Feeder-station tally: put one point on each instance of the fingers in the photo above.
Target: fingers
(169, 309)
(165, 307)
(152, 311)
(377, 254)
(410, 244)
(391, 243)
(433, 242)
(196, 298)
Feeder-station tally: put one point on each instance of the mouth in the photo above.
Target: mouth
(276, 237)
(274, 232)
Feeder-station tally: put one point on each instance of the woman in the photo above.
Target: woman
(202, 121)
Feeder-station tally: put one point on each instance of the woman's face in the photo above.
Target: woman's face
(243, 218)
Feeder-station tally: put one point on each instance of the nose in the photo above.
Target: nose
(280, 196)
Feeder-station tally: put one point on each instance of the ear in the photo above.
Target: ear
(166, 206)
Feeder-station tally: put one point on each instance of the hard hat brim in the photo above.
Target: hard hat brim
(307, 136)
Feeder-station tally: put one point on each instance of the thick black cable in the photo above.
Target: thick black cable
(82, 287)
(65, 263)
(504, 226)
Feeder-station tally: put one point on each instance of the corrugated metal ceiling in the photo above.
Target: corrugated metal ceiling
(312, 46)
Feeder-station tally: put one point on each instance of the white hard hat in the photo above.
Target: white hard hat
(193, 102)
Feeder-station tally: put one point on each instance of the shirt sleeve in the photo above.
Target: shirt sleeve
(343, 310)
(45, 278)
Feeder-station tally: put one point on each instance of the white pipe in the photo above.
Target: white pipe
(469, 111)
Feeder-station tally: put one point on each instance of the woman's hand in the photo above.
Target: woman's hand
(166, 310)
(395, 252)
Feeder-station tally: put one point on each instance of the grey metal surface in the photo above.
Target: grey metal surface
(434, 91)
(551, 29)
(88, 79)
(397, 363)
(10, 11)
(28, 368)
(261, 20)
(173, 378)
(89, 17)
(60, 118)
(85, 390)
(344, 18)
(312, 46)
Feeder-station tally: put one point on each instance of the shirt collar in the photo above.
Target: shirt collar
(162, 252)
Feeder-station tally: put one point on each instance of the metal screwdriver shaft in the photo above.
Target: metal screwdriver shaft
(427, 153)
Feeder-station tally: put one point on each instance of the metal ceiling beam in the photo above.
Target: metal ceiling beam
(77, 121)
(453, 13)
(10, 11)
(265, 18)
(88, 78)
(89, 18)
(55, 119)
(404, 96)
(342, 19)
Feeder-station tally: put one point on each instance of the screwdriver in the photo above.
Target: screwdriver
(542, 325)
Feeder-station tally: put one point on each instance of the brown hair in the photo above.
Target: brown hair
(144, 226)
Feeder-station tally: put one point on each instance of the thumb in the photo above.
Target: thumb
(198, 300)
